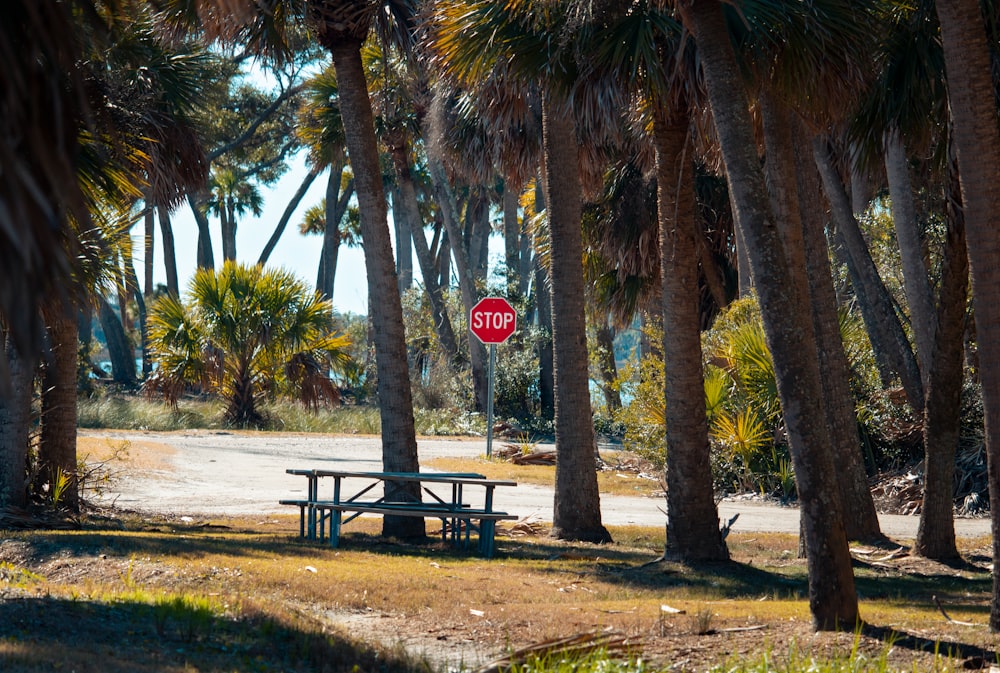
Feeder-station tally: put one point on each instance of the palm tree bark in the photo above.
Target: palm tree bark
(860, 517)
(206, 258)
(915, 280)
(794, 186)
(169, 252)
(119, 348)
(15, 419)
(463, 263)
(148, 246)
(577, 508)
(977, 143)
(57, 442)
(399, 444)
(606, 365)
(546, 359)
(692, 516)
(833, 601)
(410, 212)
(336, 206)
(511, 240)
(885, 331)
(942, 411)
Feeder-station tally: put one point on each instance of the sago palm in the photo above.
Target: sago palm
(245, 332)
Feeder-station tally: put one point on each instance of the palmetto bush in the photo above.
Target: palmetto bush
(246, 333)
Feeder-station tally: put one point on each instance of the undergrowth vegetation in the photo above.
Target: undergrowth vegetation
(746, 427)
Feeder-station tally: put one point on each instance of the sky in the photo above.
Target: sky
(296, 253)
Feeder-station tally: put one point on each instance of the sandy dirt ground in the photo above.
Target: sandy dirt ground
(233, 473)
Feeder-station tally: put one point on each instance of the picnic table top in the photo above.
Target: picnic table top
(431, 477)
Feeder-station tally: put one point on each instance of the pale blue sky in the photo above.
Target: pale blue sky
(297, 253)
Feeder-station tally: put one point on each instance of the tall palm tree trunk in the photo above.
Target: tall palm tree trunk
(942, 411)
(399, 444)
(577, 510)
(977, 142)
(148, 246)
(206, 258)
(915, 280)
(692, 517)
(169, 252)
(860, 518)
(833, 601)
(57, 443)
(15, 419)
(885, 331)
(410, 211)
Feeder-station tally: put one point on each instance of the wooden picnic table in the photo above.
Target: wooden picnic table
(317, 515)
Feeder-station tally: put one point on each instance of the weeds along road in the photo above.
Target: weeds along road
(209, 472)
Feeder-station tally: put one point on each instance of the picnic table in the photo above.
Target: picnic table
(353, 493)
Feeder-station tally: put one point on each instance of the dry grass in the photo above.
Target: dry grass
(145, 594)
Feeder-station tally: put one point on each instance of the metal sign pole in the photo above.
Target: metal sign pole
(489, 403)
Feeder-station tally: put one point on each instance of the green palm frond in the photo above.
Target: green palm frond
(743, 433)
(716, 391)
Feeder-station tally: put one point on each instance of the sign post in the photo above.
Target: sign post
(493, 321)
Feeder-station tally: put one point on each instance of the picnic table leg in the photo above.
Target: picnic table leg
(335, 527)
(313, 489)
(487, 529)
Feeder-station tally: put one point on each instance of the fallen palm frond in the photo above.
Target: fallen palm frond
(570, 647)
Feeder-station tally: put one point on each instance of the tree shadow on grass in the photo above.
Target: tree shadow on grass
(976, 656)
(44, 633)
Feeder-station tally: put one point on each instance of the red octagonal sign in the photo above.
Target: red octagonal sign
(492, 320)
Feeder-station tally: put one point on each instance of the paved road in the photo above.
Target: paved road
(210, 472)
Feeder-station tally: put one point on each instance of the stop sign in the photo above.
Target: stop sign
(492, 320)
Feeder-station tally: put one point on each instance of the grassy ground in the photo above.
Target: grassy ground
(130, 593)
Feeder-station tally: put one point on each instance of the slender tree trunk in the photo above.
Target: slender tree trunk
(832, 598)
(336, 207)
(511, 240)
(169, 253)
(132, 283)
(461, 255)
(942, 412)
(399, 444)
(607, 366)
(404, 251)
(860, 518)
(119, 348)
(692, 517)
(877, 309)
(206, 258)
(409, 213)
(227, 227)
(15, 418)
(915, 280)
(148, 247)
(546, 358)
(743, 271)
(293, 203)
(577, 509)
(57, 442)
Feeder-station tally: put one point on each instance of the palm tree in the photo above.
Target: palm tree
(473, 41)
(832, 598)
(977, 142)
(232, 196)
(240, 331)
(342, 28)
